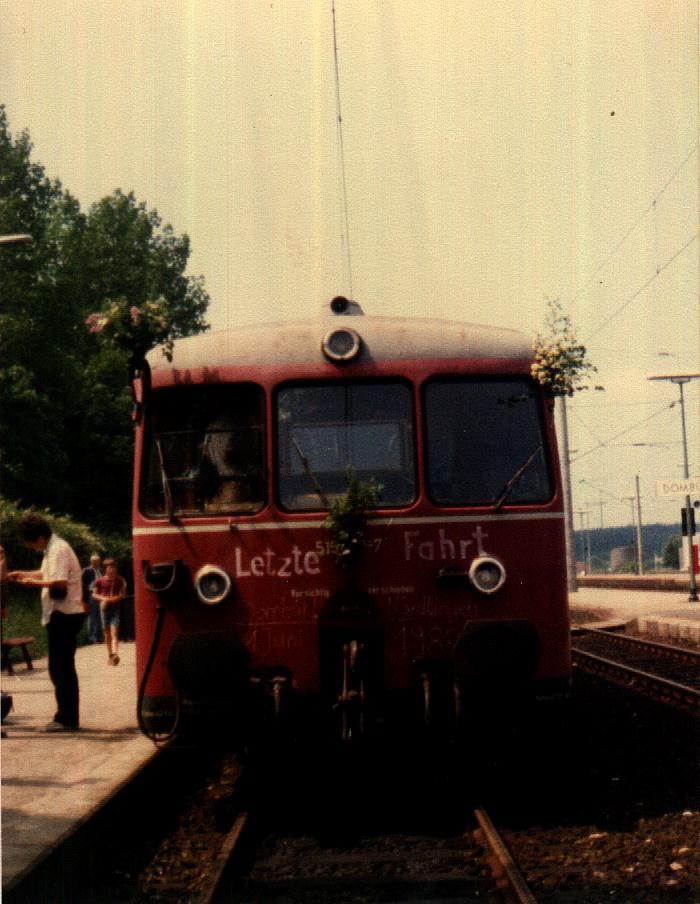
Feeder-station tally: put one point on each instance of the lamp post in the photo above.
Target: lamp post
(640, 535)
(600, 502)
(15, 239)
(680, 380)
(568, 506)
(637, 524)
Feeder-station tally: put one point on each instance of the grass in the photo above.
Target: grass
(24, 619)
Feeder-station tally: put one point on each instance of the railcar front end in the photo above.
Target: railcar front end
(243, 608)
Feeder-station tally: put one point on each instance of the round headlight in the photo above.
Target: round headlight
(212, 584)
(487, 574)
(342, 344)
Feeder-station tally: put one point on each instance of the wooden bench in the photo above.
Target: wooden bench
(9, 644)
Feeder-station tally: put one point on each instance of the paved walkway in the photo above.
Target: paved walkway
(633, 603)
(52, 783)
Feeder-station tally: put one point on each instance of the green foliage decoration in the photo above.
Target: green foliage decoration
(347, 519)
(561, 363)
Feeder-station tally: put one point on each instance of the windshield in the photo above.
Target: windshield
(204, 451)
(323, 429)
(485, 443)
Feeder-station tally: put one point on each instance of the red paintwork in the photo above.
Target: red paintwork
(282, 578)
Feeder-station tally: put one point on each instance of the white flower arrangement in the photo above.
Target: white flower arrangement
(561, 363)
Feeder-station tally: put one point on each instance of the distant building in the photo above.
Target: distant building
(621, 556)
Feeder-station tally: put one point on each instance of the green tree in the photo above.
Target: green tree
(37, 323)
(132, 262)
(672, 552)
(133, 271)
(64, 396)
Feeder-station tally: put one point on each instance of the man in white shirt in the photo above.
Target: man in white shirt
(59, 578)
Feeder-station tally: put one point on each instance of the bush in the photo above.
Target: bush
(24, 618)
(81, 537)
(24, 602)
(628, 568)
(672, 552)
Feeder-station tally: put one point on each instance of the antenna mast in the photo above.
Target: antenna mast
(341, 151)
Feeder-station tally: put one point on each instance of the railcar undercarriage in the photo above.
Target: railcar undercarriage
(492, 667)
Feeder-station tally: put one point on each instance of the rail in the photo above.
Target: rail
(654, 647)
(504, 868)
(680, 693)
(229, 847)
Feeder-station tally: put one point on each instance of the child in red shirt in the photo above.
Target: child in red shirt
(109, 591)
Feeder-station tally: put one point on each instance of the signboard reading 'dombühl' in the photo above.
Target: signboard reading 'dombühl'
(678, 486)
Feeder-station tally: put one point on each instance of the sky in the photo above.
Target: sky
(496, 155)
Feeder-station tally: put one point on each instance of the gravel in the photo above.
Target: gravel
(600, 805)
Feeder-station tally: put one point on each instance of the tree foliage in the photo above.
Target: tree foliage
(64, 396)
(81, 537)
(561, 363)
(671, 554)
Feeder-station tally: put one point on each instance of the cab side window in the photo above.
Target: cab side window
(205, 451)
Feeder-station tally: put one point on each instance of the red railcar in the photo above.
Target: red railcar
(245, 438)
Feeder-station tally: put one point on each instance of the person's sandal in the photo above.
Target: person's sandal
(114, 659)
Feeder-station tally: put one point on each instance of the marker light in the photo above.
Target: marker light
(341, 345)
(212, 584)
(487, 574)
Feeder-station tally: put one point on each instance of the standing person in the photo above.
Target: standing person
(90, 574)
(6, 698)
(3, 584)
(59, 578)
(109, 591)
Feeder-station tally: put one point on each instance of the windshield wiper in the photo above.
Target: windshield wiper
(505, 492)
(165, 481)
(310, 474)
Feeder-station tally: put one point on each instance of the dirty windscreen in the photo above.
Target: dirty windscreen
(485, 443)
(324, 429)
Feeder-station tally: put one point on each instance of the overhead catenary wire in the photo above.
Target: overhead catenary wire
(652, 206)
(578, 418)
(622, 432)
(650, 499)
(594, 486)
(341, 153)
(637, 292)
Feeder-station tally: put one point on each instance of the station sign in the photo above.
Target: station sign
(678, 486)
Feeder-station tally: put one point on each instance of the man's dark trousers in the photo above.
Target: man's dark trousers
(63, 634)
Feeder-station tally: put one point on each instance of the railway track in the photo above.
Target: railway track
(221, 842)
(390, 867)
(662, 671)
(259, 851)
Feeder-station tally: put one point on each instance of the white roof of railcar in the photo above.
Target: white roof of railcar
(383, 339)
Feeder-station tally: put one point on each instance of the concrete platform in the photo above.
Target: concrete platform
(671, 581)
(663, 614)
(52, 783)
